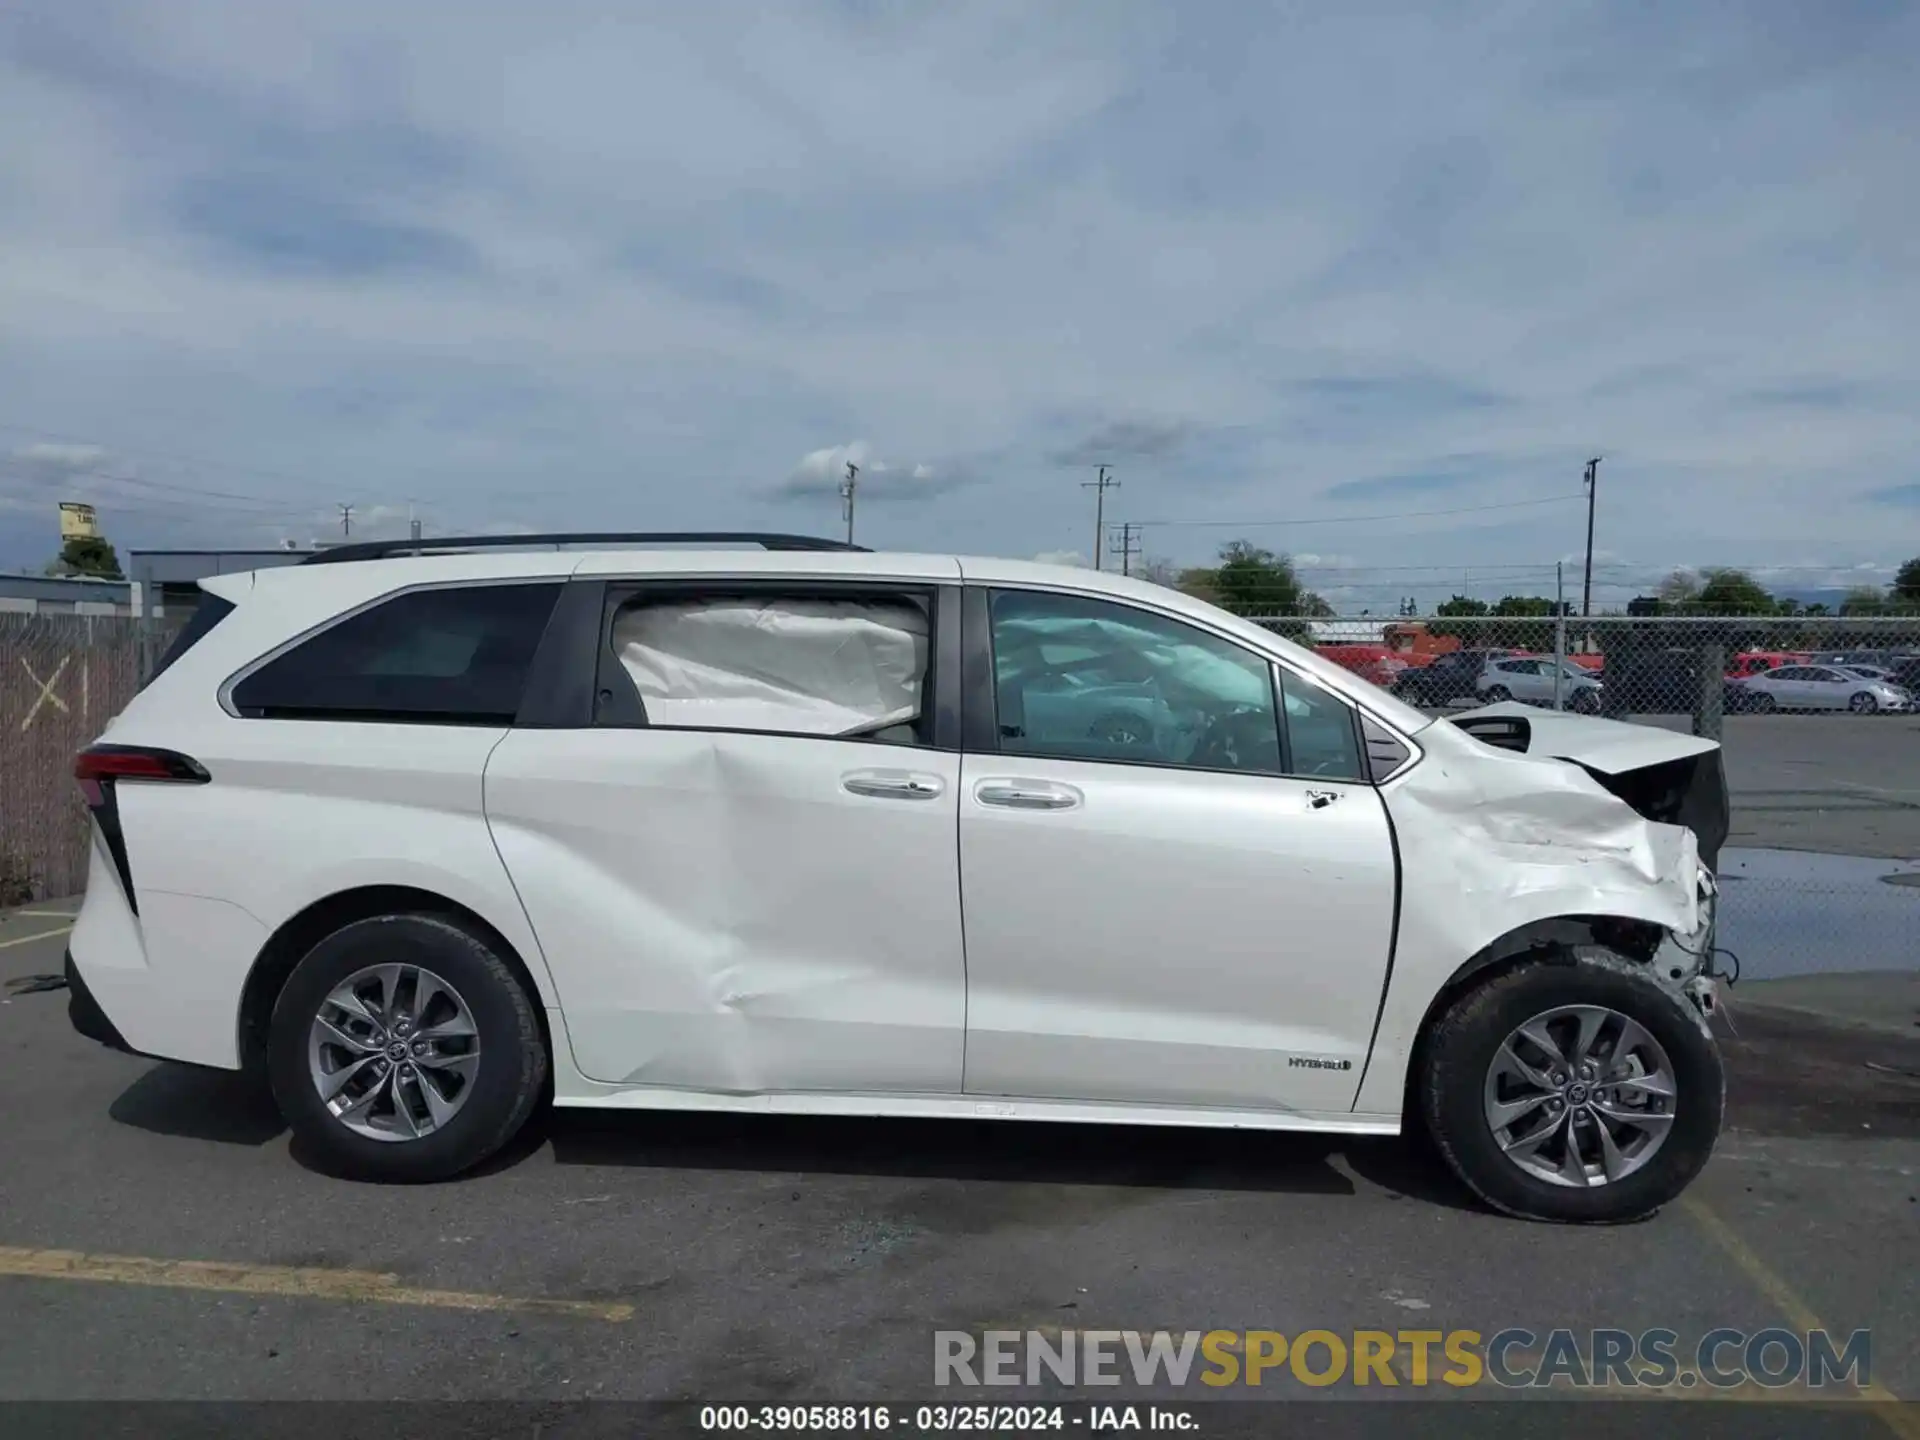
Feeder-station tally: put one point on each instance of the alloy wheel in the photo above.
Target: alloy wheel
(1580, 1095)
(393, 1052)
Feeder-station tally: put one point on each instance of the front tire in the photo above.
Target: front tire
(1573, 1090)
(1499, 695)
(1863, 704)
(403, 1048)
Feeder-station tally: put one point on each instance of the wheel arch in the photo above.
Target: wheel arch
(289, 944)
(1552, 940)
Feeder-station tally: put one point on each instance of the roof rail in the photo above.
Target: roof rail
(386, 549)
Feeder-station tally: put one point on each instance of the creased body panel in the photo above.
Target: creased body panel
(1492, 841)
(722, 913)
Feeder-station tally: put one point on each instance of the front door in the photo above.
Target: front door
(1192, 907)
(744, 874)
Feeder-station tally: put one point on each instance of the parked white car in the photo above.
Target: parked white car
(1821, 687)
(777, 830)
(1530, 679)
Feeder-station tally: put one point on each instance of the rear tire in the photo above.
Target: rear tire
(449, 992)
(1466, 1077)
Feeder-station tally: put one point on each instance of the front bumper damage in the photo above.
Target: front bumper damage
(1667, 779)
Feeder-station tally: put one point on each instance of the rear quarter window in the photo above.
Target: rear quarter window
(452, 656)
(209, 613)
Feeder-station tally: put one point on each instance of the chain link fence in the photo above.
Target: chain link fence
(62, 677)
(1698, 668)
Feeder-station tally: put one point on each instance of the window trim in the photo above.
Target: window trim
(941, 598)
(224, 695)
(1363, 760)
(980, 702)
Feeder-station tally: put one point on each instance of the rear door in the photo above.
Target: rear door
(1200, 915)
(741, 856)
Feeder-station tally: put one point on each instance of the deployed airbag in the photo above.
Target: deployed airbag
(813, 667)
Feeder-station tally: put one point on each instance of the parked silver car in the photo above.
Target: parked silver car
(1529, 678)
(1821, 687)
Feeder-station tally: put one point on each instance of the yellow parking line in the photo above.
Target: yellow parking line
(1899, 1418)
(29, 939)
(296, 1282)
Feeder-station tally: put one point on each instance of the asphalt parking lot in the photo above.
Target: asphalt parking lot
(158, 1240)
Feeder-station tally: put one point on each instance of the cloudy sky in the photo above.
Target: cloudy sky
(1389, 272)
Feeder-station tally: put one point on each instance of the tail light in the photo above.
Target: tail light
(99, 768)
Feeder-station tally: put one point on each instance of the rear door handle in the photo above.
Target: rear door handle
(893, 785)
(1026, 795)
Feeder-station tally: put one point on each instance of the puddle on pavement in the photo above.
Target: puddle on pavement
(1802, 912)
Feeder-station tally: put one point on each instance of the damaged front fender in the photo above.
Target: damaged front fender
(1502, 849)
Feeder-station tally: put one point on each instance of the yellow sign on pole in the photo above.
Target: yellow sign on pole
(77, 521)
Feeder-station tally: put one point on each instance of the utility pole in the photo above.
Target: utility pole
(1129, 545)
(1099, 486)
(1593, 492)
(346, 522)
(413, 522)
(847, 487)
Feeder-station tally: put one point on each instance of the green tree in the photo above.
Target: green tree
(1258, 584)
(1252, 581)
(1461, 607)
(89, 555)
(1732, 592)
(1865, 600)
(1536, 633)
(1906, 584)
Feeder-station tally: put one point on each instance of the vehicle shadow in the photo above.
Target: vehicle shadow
(194, 1104)
(227, 1109)
(1159, 1157)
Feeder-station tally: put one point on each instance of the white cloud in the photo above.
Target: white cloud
(521, 266)
(1062, 557)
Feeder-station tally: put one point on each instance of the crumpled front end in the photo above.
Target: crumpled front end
(1503, 848)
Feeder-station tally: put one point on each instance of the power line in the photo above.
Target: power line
(143, 483)
(1363, 519)
(196, 462)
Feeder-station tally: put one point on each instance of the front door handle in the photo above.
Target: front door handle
(1026, 795)
(1320, 799)
(893, 785)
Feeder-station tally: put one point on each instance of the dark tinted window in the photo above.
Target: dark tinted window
(210, 612)
(449, 656)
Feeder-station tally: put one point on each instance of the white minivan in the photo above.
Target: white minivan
(427, 832)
